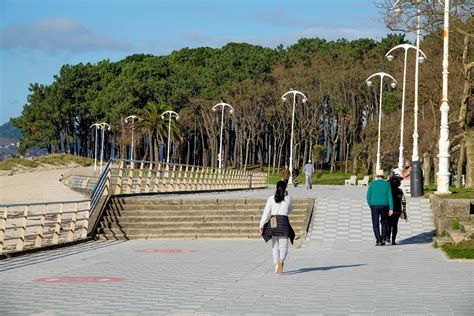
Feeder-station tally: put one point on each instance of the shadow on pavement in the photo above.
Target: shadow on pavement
(49, 255)
(423, 238)
(304, 270)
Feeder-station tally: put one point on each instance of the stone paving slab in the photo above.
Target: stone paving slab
(338, 271)
(236, 277)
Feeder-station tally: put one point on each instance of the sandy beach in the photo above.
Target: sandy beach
(36, 186)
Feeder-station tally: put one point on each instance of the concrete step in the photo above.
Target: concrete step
(159, 207)
(178, 237)
(183, 225)
(456, 235)
(440, 241)
(170, 202)
(467, 227)
(179, 231)
(196, 218)
(146, 213)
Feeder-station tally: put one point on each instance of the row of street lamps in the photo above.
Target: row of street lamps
(443, 174)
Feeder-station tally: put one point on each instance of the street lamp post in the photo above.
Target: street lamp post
(390, 57)
(393, 85)
(284, 98)
(171, 113)
(131, 117)
(222, 104)
(443, 156)
(103, 126)
(97, 126)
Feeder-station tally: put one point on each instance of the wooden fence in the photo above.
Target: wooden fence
(150, 177)
(35, 225)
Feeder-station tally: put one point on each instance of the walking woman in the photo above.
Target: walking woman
(276, 226)
(399, 206)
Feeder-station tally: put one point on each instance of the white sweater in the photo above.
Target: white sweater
(273, 208)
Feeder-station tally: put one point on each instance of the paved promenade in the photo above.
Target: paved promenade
(338, 271)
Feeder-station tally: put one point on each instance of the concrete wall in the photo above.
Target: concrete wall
(445, 211)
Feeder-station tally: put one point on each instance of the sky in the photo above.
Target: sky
(37, 37)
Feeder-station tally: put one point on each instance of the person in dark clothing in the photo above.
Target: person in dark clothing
(399, 206)
(286, 174)
(294, 174)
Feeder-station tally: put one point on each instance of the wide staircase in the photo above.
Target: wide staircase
(132, 218)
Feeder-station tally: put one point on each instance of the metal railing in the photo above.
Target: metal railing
(35, 225)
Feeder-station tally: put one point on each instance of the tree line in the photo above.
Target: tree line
(336, 128)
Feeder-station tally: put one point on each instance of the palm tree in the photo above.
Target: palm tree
(153, 125)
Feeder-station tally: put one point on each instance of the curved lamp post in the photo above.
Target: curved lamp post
(393, 85)
(171, 113)
(222, 104)
(420, 59)
(131, 117)
(304, 100)
(103, 126)
(97, 126)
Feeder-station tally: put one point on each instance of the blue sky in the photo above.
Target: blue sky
(37, 37)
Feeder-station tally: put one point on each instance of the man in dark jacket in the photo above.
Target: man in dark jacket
(379, 198)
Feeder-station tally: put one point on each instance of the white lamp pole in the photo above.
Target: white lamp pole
(171, 113)
(284, 98)
(393, 85)
(97, 126)
(222, 104)
(390, 57)
(103, 126)
(131, 117)
(443, 156)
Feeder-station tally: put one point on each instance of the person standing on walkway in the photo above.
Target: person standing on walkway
(308, 172)
(286, 174)
(379, 198)
(294, 174)
(276, 226)
(399, 205)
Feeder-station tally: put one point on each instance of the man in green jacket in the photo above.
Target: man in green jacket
(379, 198)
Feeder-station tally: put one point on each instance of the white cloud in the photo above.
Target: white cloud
(57, 34)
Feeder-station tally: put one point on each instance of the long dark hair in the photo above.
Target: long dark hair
(395, 182)
(280, 191)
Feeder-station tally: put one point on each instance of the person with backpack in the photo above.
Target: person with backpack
(276, 226)
(399, 205)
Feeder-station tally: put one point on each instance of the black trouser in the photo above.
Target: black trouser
(379, 216)
(393, 226)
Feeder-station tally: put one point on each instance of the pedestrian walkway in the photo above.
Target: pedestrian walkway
(338, 271)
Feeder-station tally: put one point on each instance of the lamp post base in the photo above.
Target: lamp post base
(416, 179)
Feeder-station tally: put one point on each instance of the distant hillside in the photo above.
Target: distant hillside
(9, 134)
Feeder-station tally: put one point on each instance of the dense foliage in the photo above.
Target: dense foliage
(337, 126)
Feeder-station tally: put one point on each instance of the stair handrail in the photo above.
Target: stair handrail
(100, 187)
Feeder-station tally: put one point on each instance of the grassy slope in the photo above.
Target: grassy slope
(55, 160)
(464, 250)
